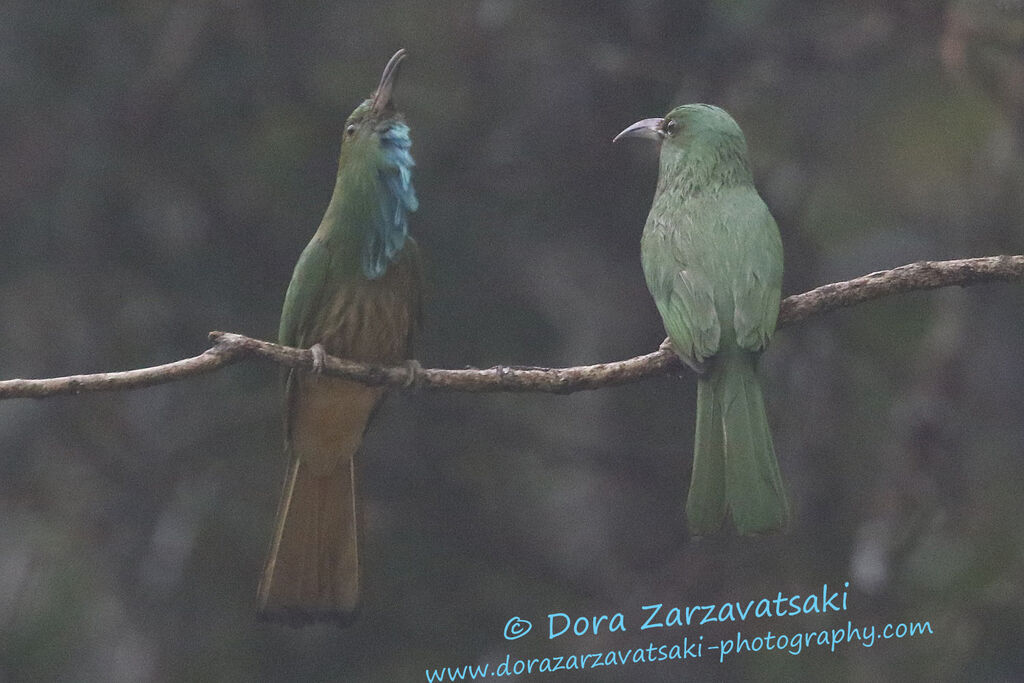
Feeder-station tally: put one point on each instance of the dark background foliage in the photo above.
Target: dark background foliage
(163, 164)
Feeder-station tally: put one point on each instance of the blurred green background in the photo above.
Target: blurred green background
(163, 164)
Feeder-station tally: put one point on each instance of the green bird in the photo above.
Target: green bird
(712, 258)
(355, 293)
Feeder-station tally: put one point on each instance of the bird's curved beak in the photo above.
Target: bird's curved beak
(382, 95)
(648, 128)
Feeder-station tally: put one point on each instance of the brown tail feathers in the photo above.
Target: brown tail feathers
(312, 573)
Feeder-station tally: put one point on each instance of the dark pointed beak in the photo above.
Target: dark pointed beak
(382, 95)
(648, 128)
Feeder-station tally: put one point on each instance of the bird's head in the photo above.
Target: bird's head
(375, 169)
(696, 137)
(376, 121)
(688, 125)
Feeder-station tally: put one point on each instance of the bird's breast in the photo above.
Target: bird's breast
(371, 320)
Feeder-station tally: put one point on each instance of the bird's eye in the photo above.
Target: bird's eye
(350, 129)
(671, 126)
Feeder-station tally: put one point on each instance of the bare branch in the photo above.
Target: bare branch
(913, 276)
(208, 361)
(231, 348)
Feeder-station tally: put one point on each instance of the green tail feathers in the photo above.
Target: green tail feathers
(735, 472)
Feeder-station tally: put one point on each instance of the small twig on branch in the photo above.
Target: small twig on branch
(231, 348)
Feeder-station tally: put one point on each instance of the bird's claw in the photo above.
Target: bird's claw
(414, 369)
(319, 358)
(697, 366)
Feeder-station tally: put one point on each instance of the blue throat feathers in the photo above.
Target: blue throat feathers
(387, 236)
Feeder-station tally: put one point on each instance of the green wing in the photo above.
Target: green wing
(757, 278)
(303, 297)
(681, 289)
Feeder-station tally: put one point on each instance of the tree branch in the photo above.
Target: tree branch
(231, 348)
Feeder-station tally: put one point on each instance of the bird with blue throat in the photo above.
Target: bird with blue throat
(355, 293)
(712, 258)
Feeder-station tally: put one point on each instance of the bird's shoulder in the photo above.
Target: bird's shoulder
(305, 289)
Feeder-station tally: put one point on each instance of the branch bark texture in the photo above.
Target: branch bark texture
(231, 348)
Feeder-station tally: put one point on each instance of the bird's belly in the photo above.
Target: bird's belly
(372, 322)
(328, 420)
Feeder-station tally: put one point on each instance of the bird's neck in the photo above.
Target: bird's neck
(702, 169)
(366, 221)
(350, 216)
